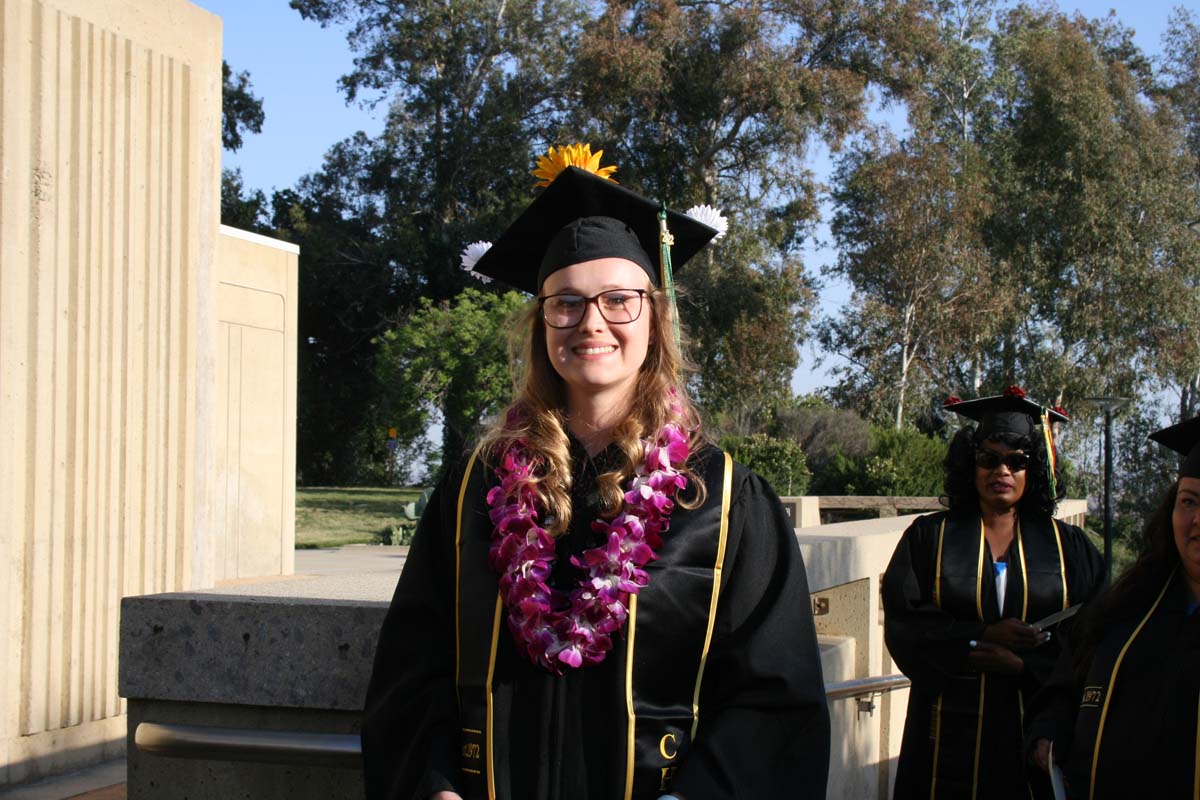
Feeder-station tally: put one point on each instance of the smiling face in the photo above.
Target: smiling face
(1185, 520)
(597, 357)
(999, 487)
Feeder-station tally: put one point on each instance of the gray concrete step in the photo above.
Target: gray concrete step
(105, 781)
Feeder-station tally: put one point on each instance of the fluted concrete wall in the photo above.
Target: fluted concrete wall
(109, 205)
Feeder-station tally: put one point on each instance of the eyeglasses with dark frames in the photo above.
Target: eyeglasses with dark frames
(617, 306)
(990, 459)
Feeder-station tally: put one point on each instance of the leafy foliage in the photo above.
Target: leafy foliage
(696, 102)
(448, 360)
(909, 225)
(348, 292)
(243, 208)
(718, 103)
(902, 463)
(1029, 229)
(241, 109)
(779, 461)
(823, 432)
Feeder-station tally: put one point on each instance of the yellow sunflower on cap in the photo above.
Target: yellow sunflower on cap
(572, 155)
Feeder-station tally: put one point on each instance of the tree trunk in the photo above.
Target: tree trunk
(1188, 395)
(905, 358)
(976, 365)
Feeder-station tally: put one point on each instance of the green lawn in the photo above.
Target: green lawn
(331, 516)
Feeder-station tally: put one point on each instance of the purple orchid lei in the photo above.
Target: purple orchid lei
(557, 630)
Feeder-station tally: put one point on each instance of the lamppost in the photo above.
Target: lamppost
(1109, 405)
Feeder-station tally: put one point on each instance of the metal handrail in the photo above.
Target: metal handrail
(866, 686)
(242, 744)
(345, 749)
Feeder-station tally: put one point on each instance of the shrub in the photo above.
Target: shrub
(396, 533)
(901, 463)
(780, 461)
(821, 431)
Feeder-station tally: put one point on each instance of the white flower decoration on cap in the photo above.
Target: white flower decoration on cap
(710, 217)
(471, 255)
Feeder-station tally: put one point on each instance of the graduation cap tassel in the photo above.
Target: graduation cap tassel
(1051, 453)
(666, 240)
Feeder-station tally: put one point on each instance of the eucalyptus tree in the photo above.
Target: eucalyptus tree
(1060, 250)
(1091, 186)
(909, 225)
(1178, 88)
(719, 103)
(908, 228)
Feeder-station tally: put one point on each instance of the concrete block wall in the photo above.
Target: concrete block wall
(845, 562)
(805, 511)
(293, 655)
(254, 492)
(109, 206)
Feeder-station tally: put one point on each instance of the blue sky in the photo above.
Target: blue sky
(295, 64)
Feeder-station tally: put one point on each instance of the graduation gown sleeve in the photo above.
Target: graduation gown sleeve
(1084, 568)
(928, 643)
(410, 721)
(763, 723)
(1051, 711)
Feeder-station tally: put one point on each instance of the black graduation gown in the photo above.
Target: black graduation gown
(963, 731)
(1150, 711)
(763, 725)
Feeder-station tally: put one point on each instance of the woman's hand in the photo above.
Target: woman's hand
(1014, 635)
(989, 657)
(445, 796)
(1040, 755)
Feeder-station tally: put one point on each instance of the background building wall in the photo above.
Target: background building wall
(109, 207)
(254, 498)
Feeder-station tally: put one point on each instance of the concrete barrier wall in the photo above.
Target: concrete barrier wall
(254, 502)
(109, 205)
(845, 562)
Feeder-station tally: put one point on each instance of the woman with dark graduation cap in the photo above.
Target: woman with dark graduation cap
(964, 595)
(1123, 706)
(599, 604)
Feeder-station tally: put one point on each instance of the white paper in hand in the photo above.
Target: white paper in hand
(1056, 776)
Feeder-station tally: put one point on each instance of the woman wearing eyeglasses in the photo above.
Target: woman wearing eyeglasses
(966, 596)
(598, 604)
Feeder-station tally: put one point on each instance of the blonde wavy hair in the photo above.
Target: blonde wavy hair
(538, 416)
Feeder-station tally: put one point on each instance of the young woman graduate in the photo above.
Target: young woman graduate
(962, 596)
(598, 604)
(1123, 706)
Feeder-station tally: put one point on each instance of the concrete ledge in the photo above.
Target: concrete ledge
(278, 644)
(281, 655)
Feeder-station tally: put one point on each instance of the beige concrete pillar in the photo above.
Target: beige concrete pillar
(254, 497)
(109, 206)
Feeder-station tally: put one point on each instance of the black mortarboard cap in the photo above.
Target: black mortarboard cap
(581, 217)
(1184, 439)
(1010, 412)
